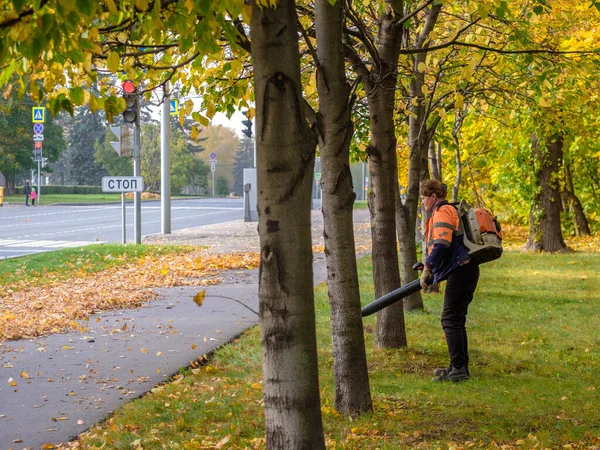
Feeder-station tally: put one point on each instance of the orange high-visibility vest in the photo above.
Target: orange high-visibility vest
(441, 225)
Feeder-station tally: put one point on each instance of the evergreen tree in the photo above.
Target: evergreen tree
(244, 158)
(88, 128)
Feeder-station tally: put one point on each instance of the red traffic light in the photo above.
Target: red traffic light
(128, 87)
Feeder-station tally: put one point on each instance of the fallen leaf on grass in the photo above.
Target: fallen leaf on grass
(223, 441)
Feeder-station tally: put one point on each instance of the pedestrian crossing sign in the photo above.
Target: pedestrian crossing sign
(174, 107)
(38, 114)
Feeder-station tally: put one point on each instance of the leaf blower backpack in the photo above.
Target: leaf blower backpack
(482, 232)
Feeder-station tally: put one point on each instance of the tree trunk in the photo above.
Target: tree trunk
(352, 393)
(582, 227)
(418, 141)
(434, 163)
(408, 240)
(458, 121)
(545, 234)
(381, 85)
(286, 147)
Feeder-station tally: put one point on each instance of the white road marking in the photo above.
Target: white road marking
(47, 244)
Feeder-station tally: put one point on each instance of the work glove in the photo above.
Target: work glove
(426, 273)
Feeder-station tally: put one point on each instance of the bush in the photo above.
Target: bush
(57, 189)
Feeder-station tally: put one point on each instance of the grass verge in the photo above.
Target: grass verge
(60, 264)
(53, 199)
(74, 286)
(535, 353)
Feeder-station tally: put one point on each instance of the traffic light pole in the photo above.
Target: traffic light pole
(137, 196)
(39, 182)
(165, 165)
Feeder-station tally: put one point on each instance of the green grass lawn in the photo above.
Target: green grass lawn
(535, 353)
(52, 199)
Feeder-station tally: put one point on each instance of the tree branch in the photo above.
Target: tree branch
(403, 20)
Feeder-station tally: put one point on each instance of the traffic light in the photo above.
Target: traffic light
(130, 94)
(248, 130)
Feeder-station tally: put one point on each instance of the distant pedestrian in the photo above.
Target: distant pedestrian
(33, 196)
(27, 192)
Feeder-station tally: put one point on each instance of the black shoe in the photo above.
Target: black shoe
(454, 374)
(441, 371)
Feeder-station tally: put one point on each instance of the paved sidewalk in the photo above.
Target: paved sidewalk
(239, 236)
(64, 383)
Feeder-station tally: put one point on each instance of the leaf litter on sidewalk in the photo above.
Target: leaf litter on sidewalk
(59, 304)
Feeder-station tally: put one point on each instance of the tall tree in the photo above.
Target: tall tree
(286, 146)
(16, 144)
(419, 137)
(545, 231)
(88, 128)
(352, 392)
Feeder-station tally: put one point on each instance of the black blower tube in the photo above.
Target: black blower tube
(394, 296)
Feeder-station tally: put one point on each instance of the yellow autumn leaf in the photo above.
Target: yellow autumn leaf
(199, 297)
(211, 110)
(425, 90)
(112, 62)
(247, 13)
(24, 374)
(422, 67)
(311, 86)
(442, 113)
(194, 133)
(112, 7)
(142, 5)
(202, 120)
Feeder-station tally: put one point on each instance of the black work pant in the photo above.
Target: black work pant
(460, 287)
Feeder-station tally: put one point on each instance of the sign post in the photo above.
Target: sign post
(213, 167)
(38, 116)
(123, 185)
(174, 107)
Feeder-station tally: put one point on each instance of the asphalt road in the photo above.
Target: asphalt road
(27, 230)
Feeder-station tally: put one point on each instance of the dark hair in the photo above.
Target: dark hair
(430, 187)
